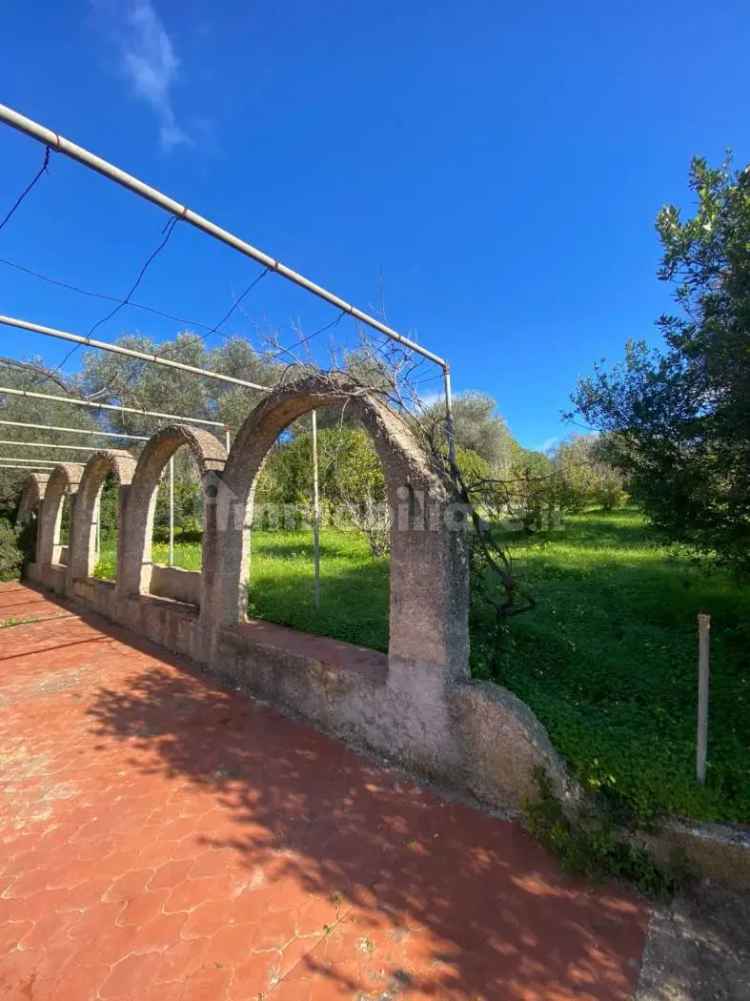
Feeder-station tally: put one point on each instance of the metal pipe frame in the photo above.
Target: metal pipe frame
(48, 444)
(53, 427)
(111, 407)
(92, 342)
(70, 149)
(29, 469)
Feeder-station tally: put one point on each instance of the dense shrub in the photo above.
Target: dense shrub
(11, 553)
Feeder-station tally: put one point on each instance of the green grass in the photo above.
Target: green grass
(353, 585)
(607, 659)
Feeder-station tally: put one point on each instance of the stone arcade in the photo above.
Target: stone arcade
(417, 705)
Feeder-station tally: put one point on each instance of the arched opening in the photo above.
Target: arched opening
(97, 549)
(106, 529)
(145, 569)
(428, 574)
(179, 504)
(347, 599)
(62, 549)
(28, 514)
(57, 514)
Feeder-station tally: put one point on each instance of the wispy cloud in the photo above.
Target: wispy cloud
(148, 61)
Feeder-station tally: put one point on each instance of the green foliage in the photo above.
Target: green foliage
(530, 495)
(348, 469)
(608, 661)
(583, 476)
(354, 585)
(679, 419)
(11, 554)
(590, 842)
(117, 379)
(478, 428)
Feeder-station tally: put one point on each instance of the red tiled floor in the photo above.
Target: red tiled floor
(164, 838)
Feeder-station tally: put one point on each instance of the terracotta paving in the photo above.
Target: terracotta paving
(164, 838)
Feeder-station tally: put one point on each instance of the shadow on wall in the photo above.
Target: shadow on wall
(382, 855)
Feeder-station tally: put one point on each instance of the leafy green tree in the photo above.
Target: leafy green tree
(479, 428)
(114, 379)
(678, 419)
(584, 477)
(531, 488)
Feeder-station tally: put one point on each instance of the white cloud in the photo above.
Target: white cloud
(148, 61)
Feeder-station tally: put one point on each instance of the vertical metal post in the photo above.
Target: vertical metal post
(171, 511)
(316, 510)
(449, 426)
(227, 439)
(704, 635)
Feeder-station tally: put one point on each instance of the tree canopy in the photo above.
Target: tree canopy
(678, 419)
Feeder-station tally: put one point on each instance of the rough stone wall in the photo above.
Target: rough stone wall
(32, 495)
(64, 479)
(88, 498)
(416, 705)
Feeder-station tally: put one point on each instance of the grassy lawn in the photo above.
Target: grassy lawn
(607, 659)
(353, 585)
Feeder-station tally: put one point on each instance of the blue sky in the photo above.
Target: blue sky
(490, 173)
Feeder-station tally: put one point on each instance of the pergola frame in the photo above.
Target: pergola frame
(53, 140)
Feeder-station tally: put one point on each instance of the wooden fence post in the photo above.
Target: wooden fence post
(704, 632)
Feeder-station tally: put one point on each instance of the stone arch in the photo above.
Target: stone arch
(429, 566)
(32, 495)
(135, 569)
(63, 479)
(121, 465)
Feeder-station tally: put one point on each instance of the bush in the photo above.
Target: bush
(597, 841)
(11, 553)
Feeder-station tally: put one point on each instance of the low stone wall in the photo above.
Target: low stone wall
(717, 851)
(473, 736)
(175, 583)
(171, 624)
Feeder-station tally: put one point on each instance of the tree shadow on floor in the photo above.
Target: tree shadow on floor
(455, 903)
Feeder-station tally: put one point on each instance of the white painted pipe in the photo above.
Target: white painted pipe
(89, 159)
(316, 511)
(34, 462)
(28, 469)
(449, 425)
(53, 427)
(704, 637)
(92, 342)
(109, 406)
(171, 511)
(40, 444)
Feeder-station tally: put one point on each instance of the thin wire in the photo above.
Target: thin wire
(236, 302)
(309, 337)
(167, 231)
(100, 295)
(27, 189)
